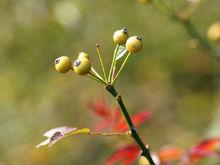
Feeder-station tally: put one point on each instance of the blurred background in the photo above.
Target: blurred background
(180, 85)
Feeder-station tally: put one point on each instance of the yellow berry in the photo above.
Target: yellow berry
(63, 64)
(83, 55)
(145, 1)
(120, 36)
(213, 33)
(143, 161)
(134, 44)
(82, 66)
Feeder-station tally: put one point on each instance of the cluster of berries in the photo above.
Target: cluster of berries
(82, 64)
(133, 44)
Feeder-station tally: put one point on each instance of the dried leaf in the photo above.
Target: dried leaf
(56, 134)
(62, 130)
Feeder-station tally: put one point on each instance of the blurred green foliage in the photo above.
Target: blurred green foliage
(180, 85)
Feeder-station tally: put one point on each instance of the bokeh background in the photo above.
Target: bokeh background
(178, 84)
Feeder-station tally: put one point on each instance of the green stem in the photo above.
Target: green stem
(122, 66)
(193, 33)
(190, 29)
(101, 62)
(94, 77)
(134, 133)
(112, 64)
(96, 73)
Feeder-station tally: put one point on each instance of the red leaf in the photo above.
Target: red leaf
(112, 119)
(169, 153)
(140, 117)
(126, 155)
(100, 108)
(137, 119)
(204, 149)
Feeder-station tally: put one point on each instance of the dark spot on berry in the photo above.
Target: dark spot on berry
(57, 60)
(138, 37)
(77, 62)
(125, 30)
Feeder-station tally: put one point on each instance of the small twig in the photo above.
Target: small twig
(128, 133)
(122, 66)
(113, 73)
(94, 77)
(101, 61)
(112, 64)
(96, 73)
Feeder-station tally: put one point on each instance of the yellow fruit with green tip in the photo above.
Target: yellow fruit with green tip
(82, 66)
(63, 64)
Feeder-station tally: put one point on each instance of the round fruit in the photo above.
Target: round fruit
(213, 33)
(82, 66)
(120, 36)
(63, 64)
(134, 44)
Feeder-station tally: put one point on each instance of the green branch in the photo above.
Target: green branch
(189, 28)
(134, 133)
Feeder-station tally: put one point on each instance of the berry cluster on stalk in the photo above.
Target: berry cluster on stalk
(125, 46)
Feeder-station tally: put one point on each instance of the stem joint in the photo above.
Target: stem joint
(118, 98)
